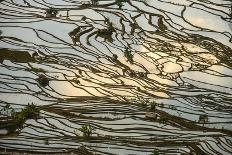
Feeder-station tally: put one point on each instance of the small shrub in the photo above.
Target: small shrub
(153, 105)
(155, 152)
(51, 12)
(203, 118)
(104, 33)
(129, 56)
(142, 74)
(87, 130)
(15, 120)
(161, 25)
(29, 112)
(110, 27)
(18, 118)
(43, 80)
(94, 2)
(143, 102)
(6, 109)
(76, 81)
(85, 5)
(120, 2)
(115, 57)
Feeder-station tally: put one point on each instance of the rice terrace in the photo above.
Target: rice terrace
(116, 77)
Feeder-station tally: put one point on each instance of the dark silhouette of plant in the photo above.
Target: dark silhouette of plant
(35, 56)
(15, 120)
(43, 80)
(155, 152)
(153, 106)
(87, 130)
(85, 5)
(120, 2)
(143, 102)
(115, 57)
(15, 55)
(110, 27)
(161, 25)
(51, 12)
(142, 74)
(107, 33)
(74, 34)
(29, 112)
(76, 81)
(94, 2)
(203, 119)
(129, 55)
(7, 110)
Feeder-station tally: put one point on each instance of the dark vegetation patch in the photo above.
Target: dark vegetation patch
(15, 56)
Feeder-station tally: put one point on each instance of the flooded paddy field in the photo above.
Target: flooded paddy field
(123, 77)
